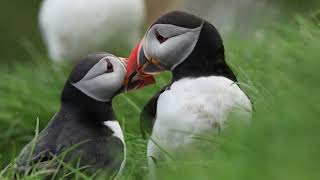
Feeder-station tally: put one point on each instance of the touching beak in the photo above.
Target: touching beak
(140, 69)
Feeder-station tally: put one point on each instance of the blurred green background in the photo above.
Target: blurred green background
(277, 61)
(19, 27)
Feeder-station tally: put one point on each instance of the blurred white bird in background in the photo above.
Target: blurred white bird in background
(73, 28)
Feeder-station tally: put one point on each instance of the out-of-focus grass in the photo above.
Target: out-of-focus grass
(279, 67)
(27, 91)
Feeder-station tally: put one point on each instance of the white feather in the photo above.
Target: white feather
(195, 107)
(117, 132)
(74, 28)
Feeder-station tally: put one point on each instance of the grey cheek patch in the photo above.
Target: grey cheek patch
(176, 49)
(101, 88)
(186, 44)
(97, 69)
(100, 85)
(90, 88)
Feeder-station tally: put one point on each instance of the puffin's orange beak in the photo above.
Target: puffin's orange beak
(136, 77)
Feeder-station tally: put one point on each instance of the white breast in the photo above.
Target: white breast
(199, 106)
(74, 28)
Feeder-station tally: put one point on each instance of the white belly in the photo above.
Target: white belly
(193, 108)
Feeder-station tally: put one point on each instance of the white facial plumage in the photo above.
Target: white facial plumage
(170, 44)
(104, 79)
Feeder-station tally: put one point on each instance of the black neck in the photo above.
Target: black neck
(207, 69)
(95, 111)
(207, 58)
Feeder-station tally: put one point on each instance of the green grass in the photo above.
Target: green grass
(279, 68)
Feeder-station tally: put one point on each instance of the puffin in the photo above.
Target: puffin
(74, 28)
(202, 96)
(85, 127)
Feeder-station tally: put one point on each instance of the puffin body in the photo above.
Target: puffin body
(74, 28)
(204, 91)
(97, 146)
(194, 107)
(85, 125)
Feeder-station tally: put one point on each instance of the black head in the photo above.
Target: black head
(185, 44)
(180, 19)
(95, 79)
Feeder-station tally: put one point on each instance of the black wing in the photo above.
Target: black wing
(40, 149)
(148, 114)
(98, 154)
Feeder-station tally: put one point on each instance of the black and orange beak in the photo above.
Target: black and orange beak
(140, 69)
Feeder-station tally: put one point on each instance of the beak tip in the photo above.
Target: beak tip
(135, 76)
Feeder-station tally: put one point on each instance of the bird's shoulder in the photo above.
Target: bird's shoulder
(209, 98)
(208, 90)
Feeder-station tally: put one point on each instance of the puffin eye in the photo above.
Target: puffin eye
(109, 66)
(160, 38)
